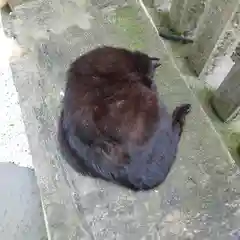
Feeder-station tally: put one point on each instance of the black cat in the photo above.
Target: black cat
(113, 125)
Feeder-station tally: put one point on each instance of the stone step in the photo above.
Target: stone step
(200, 197)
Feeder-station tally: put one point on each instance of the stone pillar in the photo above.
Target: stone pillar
(226, 99)
(185, 15)
(216, 38)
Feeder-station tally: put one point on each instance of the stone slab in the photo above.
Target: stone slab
(200, 198)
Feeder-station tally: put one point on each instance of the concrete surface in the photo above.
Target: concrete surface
(20, 206)
(200, 198)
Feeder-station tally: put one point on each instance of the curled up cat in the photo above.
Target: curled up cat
(113, 125)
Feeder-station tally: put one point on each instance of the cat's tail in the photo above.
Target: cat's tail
(179, 115)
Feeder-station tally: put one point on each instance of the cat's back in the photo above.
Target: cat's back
(107, 82)
(104, 61)
(96, 74)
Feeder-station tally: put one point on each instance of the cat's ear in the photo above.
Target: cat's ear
(155, 62)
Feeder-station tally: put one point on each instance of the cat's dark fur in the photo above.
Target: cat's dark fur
(113, 125)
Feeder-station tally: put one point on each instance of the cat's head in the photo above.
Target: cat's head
(146, 65)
